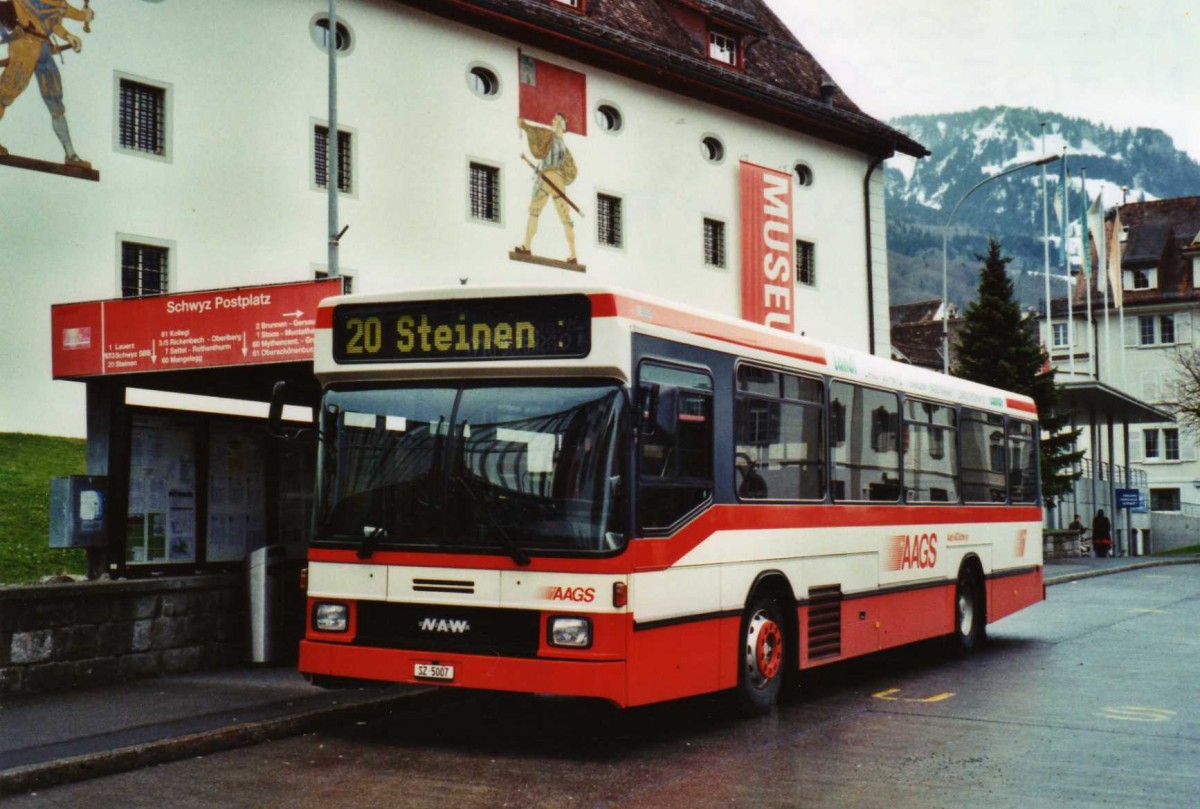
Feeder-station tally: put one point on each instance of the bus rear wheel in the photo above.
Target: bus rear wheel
(969, 617)
(761, 656)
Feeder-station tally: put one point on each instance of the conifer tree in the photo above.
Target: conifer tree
(998, 346)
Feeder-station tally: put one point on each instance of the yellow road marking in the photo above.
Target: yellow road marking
(890, 695)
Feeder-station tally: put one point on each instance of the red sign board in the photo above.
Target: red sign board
(241, 326)
(767, 247)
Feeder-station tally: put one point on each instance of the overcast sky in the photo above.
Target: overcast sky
(1125, 64)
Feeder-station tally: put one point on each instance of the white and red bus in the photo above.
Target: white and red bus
(592, 493)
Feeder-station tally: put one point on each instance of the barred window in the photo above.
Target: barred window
(714, 243)
(143, 269)
(609, 226)
(142, 118)
(806, 268)
(485, 192)
(321, 158)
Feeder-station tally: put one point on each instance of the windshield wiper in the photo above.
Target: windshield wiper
(370, 540)
(514, 550)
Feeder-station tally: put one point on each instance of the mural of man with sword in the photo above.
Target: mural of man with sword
(555, 172)
(28, 27)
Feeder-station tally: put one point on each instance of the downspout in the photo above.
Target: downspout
(870, 265)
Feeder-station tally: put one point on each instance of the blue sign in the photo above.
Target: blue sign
(1128, 498)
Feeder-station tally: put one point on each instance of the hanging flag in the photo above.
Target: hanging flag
(547, 89)
(1095, 217)
(1114, 259)
(1085, 249)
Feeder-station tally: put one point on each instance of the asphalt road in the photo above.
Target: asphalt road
(1089, 699)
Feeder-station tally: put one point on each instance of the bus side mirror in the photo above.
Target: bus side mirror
(275, 426)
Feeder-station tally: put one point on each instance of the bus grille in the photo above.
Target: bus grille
(825, 621)
(434, 628)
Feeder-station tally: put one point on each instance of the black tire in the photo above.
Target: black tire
(970, 618)
(762, 655)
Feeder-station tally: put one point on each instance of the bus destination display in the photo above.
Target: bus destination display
(476, 329)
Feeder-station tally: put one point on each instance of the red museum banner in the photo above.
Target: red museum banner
(767, 247)
(240, 326)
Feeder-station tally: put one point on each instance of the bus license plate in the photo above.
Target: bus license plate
(430, 671)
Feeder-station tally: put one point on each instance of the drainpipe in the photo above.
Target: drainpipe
(870, 264)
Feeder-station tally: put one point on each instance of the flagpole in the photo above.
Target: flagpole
(1087, 275)
(1046, 243)
(1066, 211)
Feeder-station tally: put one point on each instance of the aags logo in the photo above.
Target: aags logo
(579, 594)
(912, 551)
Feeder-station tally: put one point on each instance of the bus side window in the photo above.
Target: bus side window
(675, 444)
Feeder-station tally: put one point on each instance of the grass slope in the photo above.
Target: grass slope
(27, 462)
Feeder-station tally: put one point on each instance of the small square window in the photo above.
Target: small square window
(1150, 445)
(1171, 444)
(609, 224)
(722, 48)
(1146, 331)
(142, 118)
(806, 268)
(143, 269)
(485, 192)
(345, 158)
(714, 243)
(1166, 328)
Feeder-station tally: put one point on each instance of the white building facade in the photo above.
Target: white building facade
(199, 129)
(1134, 349)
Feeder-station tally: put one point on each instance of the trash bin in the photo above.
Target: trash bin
(265, 584)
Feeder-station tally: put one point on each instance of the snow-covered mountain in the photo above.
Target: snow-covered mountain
(967, 147)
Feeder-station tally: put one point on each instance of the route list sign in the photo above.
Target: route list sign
(244, 326)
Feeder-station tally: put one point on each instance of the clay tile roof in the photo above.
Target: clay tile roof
(780, 80)
(1152, 224)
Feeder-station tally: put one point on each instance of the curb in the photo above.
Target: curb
(94, 765)
(1064, 578)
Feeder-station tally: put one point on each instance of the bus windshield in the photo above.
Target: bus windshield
(474, 467)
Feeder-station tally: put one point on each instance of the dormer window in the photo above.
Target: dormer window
(723, 48)
(577, 5)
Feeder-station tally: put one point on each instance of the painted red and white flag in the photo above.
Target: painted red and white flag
(767, 247)
(547, 89)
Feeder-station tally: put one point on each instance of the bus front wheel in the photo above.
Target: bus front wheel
(761, 655)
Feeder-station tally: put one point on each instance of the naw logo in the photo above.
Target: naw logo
(445, 626)
(911, 552)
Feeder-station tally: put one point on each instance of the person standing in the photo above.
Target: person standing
(1101, 535)
(1078, 527)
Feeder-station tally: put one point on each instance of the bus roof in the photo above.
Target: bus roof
(652, 315)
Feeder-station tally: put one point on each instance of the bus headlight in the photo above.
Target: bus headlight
(570, 632)
(331, 617)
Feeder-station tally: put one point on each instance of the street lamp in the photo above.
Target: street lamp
(946, 231)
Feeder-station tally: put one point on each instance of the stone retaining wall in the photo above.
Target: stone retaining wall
(1060, 545)
(55, 637)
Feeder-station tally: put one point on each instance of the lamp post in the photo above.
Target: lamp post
(946, 232)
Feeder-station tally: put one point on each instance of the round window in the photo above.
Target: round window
(320, 34)
(483, 81)
(609, 118)
(803, 174)
(712, 149)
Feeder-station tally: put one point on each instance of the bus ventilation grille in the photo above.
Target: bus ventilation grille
(825, 621)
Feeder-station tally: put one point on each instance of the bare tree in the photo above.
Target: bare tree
(1185, 387)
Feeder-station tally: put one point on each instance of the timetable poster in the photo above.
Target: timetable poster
(236, 492)
(162, 492)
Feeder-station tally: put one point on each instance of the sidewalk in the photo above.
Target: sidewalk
(58, 738)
